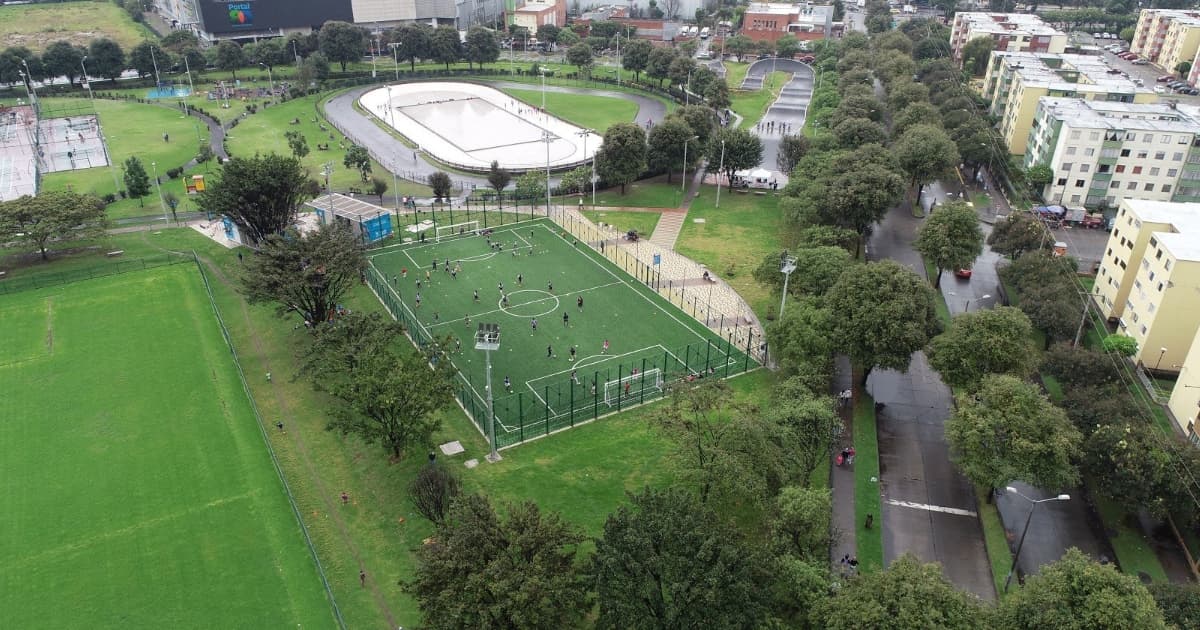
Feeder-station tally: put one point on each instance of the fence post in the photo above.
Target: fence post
(572, 403)
(749, 345)
(521, 413)
(620, 390)
(546, 393)
(595, 394)
(707, 353)
(728, 353)
(642, 392)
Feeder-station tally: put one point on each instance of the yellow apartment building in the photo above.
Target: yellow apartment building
(1167, 36)
(1149, 279)
(1185, 398)
(1181, 43)
(1015, 81)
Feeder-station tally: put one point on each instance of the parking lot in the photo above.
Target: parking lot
(1148, 74)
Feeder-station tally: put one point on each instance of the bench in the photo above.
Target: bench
(116, 253)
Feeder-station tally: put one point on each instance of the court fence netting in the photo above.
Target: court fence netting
(556, 402)
(116, 267)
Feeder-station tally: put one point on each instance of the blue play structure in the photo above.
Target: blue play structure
(169, 90)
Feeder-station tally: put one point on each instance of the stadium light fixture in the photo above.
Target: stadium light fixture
(487, 338)
(787, 264)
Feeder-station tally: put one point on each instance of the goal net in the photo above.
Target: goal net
(456, 229)
(633, 385)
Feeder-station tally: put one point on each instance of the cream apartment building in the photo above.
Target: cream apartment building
(1011, 32)
(1014, 83)
(1184, 404)
(1105, 152)
(1149, 279)
(1167, 37)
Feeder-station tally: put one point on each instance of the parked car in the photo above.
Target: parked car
(1166, 77)
(1158, 89)
(1191, 91)
(1114, 71)
(1139, 62)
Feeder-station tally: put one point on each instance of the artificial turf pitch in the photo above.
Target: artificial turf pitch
(644, 332)
(138, 489)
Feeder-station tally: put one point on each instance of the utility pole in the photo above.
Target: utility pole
(720, 170)
(1082, 321)
(396, 57)
(91, 96)
(162, 204)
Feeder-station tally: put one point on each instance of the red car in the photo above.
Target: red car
(963, 273)
(1166, 77)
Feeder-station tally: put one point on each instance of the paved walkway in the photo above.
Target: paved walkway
(789, 108)
(841, 478)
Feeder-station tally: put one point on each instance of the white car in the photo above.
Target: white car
(1139, 62)
(1158, 89)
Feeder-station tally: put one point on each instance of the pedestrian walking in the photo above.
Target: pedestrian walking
(345, 498)
(550, 286)
(507, 384)
(604, 348)
(279, 425)
(434, 265)
(362, 578)
(476, 295)
(850, 456)
(574, 377)
(565, 319)
(268, 377)
(572, 360)
(549, 352)
(239, 256)
(427, 275)
(579, 302)
(870, 521)
(533, 323)
(520, 279)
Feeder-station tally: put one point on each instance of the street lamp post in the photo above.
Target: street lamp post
(188, 68)
(1161, 352)
(543, 73)
(683, 184)
(787, 264)
(720, 170)
(395, 46)
(85, 77)
(487, 338)
(271, 79)
(162, 204)
(549, 138)
(585, 133)
(296, 54)
(1025, 530)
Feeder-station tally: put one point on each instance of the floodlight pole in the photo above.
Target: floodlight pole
(396, 57)
(29, 86)
(188, 67)
(720, 170)
(787, 264)
(154, 60)
(396, 182)
(296, 54)
(549, 139)
(162, 204)
(683, 184)
(487, 338)
(1017, 555)
(618, 58)
(91, 96)
(271, 79)
(585, 133)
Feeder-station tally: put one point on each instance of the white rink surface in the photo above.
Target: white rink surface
(469, 125)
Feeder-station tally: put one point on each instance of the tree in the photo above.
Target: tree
(1007, 431)
(105, 59)
(817, 269)
(667, 561)
(950, 239)
(787, 46)
(566, 37)
(498, 178)
(61, 59)
(635, 56)
(308, 274)
(485, 571)
(742, 150)
(1076, 593)
(810, 429)
(680, 72)
(1128, 467)
(792, 148)
(531, 185)
(272, 52)
(799, 340)
(137, 182)
(800, 524)
(658, 64)
(1123, 345)
(580, 56)
(1019, 233)
(1054, 309)
(433, 490)
(413, 43)
(261, 194)
(992, 341)
(702, 122)
(52, 215)
(445, 45)
(358, 159)
(147, 57)
(1179, 603)
(860, 196)
(482, 46)
(622, 157)
(720, 456)
(925, 152)
(547, 33)
(919, 113)
(575, 180)
(378, 187)
(905, 93)
(716, 94)
(1183, 68)
(666, 141)
(885, 313)
(297, 143)
(230, 56)
(343, 42)
(977, 53)
(739, 46)
(439, 181)
(906, 595)
(855, 132)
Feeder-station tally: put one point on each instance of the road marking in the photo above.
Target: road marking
(930, 508)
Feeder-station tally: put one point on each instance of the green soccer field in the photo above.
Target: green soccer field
(545, 274)
(138, 489)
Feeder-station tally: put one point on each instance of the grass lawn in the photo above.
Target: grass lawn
(141, 493)
(752, 104)
(649, 193)
(263, 133)
(133, 129)
(1134, 552)
(643, 222)
(583, 110)
(733, 239)
(994, 538)
(36, 26)
(644, 331)
(866, 492)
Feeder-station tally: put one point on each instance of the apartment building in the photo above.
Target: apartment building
(1184, 405)
(1015, 81)
(1012, 32)
(1167, 37)
(1104, 152)
(1149, 279)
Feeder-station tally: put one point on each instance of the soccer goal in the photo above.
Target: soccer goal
(456, 229)
(633, 385)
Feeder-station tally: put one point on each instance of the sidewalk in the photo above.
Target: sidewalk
(841, 478)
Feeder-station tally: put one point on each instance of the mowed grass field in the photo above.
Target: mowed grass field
(643, 330)
(36, 26)
(138, 489)
(584, 110)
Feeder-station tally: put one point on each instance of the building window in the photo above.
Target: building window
(1075, 135)
(1131, 186)
(1079, 183)
(1094, 136)
(1071, 150)
(1137, 170)
(1062, 181)
(1083, 168)
(1160, 287)
(1145, 264)
(1067, 166)
(1172, 172)
(1149, 188)
(1147, 138)
(1160, 155)
(1114, 184)
(1089, 152)
(1166, 188)
(1141, 155)
(1120, 168)
(1104, 168)
(1144, 330)
(1124, 152)
(1074, 198)
(1176, 157)
(1154, 171)
(1167, 264)
(1166, 139)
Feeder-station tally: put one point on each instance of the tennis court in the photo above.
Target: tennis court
(549, 295)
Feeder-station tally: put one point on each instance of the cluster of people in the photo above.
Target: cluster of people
(771, 126)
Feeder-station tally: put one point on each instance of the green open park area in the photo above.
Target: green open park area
(36, 26)
(584, 110)
(142, 493)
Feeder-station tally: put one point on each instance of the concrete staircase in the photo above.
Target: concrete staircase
(667, 231)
